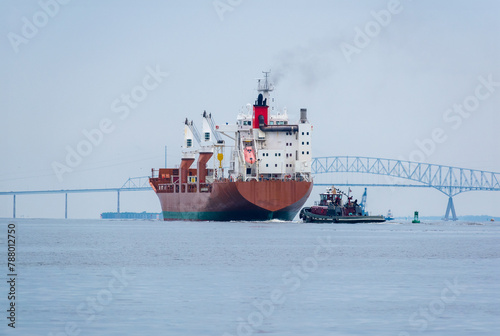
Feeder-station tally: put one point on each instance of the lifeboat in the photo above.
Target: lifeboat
(249, 155)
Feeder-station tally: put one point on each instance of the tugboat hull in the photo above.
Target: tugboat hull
(307, 216)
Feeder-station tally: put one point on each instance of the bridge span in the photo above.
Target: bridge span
(449, 180)
(132, 184)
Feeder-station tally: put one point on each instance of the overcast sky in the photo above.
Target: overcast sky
(377, 77)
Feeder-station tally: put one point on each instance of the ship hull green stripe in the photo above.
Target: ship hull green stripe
(228, 215)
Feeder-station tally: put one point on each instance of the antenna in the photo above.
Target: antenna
(266, 86)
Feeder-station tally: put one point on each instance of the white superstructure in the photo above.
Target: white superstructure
(266, 146)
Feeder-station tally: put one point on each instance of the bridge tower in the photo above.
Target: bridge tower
(451, 208)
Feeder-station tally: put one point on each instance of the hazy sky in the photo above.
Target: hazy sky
(377, 77)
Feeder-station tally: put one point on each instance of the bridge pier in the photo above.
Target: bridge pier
(66, 206)
(118, 204)
(451, 208)
(14, 207)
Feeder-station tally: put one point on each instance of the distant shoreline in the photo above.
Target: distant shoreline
(478, 218)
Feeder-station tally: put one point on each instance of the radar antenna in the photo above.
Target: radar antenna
(266, 86)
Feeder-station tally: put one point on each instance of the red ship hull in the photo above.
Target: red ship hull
(228, 201)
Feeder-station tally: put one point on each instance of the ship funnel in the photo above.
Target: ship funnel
(303, 115)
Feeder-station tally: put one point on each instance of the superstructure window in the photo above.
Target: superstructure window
(207, 136)
(189, 142)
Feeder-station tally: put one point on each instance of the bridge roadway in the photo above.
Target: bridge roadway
(132, 184)
(449, 180)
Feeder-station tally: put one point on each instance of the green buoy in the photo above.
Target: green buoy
(415, 218)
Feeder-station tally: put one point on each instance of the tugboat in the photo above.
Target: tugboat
(332, 209)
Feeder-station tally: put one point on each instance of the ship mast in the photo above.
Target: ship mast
(265, 87)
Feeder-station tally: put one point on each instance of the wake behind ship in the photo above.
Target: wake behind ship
(269, 174)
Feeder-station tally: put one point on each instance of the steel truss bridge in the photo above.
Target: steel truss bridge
(451, 181)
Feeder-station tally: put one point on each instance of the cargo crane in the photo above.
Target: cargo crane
(363, 204)
(194, 131)
(209, 130)
(207, 144)
(211, 124)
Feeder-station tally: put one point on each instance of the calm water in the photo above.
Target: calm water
(93, 277)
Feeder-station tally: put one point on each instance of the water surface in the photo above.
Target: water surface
(98, 277)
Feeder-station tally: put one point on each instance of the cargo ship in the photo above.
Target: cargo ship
(332, 208)
(266, 176)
